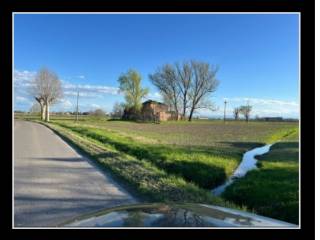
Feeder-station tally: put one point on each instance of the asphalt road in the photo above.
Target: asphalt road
(53, 183)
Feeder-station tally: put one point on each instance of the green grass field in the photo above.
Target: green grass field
(273, 189)
(183, 161)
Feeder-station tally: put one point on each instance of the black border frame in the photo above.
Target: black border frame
(307, 67)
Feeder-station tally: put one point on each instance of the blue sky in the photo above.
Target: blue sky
(257, 54)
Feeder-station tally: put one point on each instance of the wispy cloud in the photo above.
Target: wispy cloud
(95, 106)
(154, 96)
(24, 79)
(65, 104)
(23, 75)
(261, 101)
(265, 107)
(87, 90)
(20, 99)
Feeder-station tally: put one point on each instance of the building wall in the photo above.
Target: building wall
(148, 112)
(154, 111)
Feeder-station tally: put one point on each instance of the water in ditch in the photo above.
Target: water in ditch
(248, 163)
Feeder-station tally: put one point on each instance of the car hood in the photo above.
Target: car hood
(174, 215)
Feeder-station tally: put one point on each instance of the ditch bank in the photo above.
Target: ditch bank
(248, 163)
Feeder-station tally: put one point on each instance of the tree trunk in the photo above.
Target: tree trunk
(176, 112)
(184, 113)
(47, 112)
(41, 111)
(42, 107)
(190, 116)
(184, 108)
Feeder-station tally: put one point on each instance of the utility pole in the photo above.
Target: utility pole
(225, 106)
(77, 107)
(247, 118)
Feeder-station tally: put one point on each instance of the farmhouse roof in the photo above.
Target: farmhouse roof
(152, 101)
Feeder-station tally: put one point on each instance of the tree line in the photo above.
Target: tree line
(185, 87)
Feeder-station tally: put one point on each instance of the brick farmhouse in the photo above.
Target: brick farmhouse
(157, 111)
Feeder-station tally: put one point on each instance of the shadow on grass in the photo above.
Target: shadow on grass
(200, 173)
(205, 175)
(286, 145)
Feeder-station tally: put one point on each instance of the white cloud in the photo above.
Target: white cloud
(154, 96)
(95, 106)
(81, 94)
(265, 107)
(23, 79)
(87, 90)
(21, 99)
(23, 75)
(65, 103)
(263, 101)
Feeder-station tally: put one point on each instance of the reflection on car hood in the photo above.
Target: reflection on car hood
(174, 215)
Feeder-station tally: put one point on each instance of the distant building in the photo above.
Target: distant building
(202, 118)
(271, 119)
(157, 111)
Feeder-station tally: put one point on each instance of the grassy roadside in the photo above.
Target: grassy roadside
(169, 162)
(206, 167)
(273, 189)
(152, 183)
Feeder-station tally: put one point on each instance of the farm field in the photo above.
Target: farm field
(183, 161)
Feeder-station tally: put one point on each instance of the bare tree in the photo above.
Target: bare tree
(186, 85)
(46, 89)
(98, 113)
(118, 110)
(236, 112)
(246, 110)
(203, 84)
(184, 79)
(165, 79)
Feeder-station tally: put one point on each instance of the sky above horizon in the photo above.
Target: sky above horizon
(257, 55)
